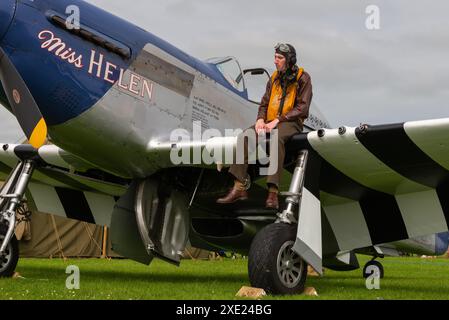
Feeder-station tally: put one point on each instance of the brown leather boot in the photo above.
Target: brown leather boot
(233, 196)
(272, 200)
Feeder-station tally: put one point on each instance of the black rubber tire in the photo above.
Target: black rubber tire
(263, 260)
(8, 266)
(376, 264)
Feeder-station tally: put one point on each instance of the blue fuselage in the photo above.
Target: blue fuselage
(56, 64)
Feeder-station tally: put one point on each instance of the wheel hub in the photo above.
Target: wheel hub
(289, 265)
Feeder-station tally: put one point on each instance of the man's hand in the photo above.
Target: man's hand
(260, 126)
(272, 125)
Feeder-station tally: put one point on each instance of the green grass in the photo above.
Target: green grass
(405, 278)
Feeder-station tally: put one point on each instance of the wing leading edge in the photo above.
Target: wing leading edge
(66, 185)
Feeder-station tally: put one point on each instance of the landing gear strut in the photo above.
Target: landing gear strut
(272, 263)
(11, 196)
(294, 193)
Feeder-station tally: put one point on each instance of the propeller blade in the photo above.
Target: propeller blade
(22, 102)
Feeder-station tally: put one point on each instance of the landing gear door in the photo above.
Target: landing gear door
(125, 236)
(256, 82)
(162, 219)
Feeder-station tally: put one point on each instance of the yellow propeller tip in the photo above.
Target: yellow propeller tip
(39, 135)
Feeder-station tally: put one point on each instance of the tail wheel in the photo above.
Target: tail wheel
(273, 265)
(9, 259)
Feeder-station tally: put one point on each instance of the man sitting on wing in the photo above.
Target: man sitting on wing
(284, 106)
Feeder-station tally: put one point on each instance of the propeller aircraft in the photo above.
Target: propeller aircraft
(99, 104)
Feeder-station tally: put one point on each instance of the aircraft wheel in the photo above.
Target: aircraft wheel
(272, 264)
(9, 259)
(376, 266)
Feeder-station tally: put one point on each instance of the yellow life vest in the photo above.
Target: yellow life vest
(276, 96)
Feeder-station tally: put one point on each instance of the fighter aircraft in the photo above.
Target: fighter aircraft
(99, 102)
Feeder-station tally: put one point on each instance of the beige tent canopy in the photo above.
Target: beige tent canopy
(49, 236)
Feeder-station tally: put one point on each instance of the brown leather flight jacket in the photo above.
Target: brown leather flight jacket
(300, 110)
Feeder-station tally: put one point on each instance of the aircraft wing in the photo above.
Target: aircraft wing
(379, 184)
(65, 185)
(375, 184)
(367, 185)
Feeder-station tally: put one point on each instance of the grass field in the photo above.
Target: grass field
(405, 278)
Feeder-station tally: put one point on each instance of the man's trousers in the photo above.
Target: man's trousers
(285, 131)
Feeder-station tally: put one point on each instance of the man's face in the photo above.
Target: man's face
(280, 62)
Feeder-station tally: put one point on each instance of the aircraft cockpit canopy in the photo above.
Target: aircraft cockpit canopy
(231, 71)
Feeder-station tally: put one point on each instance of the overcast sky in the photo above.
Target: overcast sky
(397, 73)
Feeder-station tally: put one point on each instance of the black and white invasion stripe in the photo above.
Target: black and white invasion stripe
(382, 183)
(73, 204)
(55, 189)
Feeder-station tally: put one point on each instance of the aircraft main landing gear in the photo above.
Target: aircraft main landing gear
(272, 263)
(11, 197)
